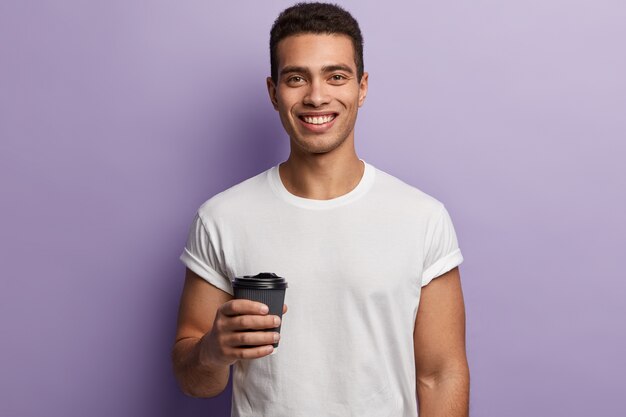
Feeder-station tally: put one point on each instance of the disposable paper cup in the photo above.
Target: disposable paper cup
(267, 288)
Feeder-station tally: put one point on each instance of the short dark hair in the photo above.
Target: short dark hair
(318, 18)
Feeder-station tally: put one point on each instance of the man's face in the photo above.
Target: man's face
(317, 93)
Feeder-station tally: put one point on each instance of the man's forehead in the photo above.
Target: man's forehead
(316, 51)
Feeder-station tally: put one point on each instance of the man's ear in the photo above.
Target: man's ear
(271, 89)
(363, 88)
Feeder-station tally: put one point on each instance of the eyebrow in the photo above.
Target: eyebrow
(325, 69)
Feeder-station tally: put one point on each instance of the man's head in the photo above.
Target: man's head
(316, 84)
(315, 18)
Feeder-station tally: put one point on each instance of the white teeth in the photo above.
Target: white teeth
(318, 120)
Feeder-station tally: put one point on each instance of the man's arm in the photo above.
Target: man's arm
(210, 336)
(441, 370)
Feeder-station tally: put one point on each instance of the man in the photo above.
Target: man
(356, 245)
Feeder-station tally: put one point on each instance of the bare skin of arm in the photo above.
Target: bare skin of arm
(210, 334)
(442, 372)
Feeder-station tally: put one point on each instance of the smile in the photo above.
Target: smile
(318, 120)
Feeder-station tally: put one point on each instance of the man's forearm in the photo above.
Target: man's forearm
(446, 395)
(195, 379)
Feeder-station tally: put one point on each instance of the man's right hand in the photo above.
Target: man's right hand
(210, 336)
(230, 339)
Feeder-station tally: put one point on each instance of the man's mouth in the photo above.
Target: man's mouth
(318, 120)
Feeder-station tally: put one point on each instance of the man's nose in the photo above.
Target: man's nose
(316, 94)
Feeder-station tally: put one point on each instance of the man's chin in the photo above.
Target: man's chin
(318, 147)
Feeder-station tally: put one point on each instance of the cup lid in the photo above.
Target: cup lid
(263, 280)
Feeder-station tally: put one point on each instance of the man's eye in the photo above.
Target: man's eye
(338, 77)
(295, 79)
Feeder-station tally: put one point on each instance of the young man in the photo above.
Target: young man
(356, 245)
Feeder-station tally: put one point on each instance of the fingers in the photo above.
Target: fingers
(252, 353)
(251, 339)
(237, 315)
(227, 348)
(249, 322)
(230, 346)
(240, 331)
(241, 306)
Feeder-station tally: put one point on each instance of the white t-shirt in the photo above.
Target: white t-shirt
(355, 266)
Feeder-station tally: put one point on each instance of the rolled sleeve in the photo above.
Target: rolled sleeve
(201, 256)
(442, 248)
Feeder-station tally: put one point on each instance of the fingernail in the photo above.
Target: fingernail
(276, 321)
(265, 309)
(276, 337)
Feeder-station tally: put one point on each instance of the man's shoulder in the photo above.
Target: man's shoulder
(399, 191)
(239, 197)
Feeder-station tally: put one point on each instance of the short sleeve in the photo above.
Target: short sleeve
(442, 248)
(201, 255)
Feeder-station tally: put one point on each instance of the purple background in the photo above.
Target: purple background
(119, 118)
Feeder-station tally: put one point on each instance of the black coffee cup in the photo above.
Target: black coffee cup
(267, 288)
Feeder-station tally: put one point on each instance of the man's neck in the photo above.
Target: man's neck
(321, 176)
